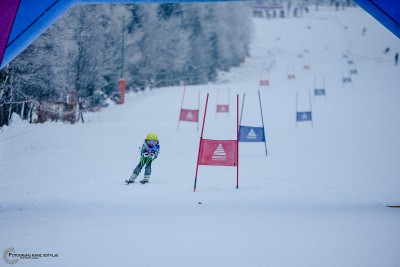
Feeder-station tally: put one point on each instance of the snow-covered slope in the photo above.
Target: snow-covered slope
(318, 199)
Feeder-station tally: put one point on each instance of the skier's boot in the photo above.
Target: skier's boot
(145, 179)
(131, 179)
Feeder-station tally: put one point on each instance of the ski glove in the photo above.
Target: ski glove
(149, 155)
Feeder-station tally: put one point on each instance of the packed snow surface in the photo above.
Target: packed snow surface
(318, 199)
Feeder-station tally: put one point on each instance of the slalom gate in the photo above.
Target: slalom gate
(346, 79)
(264, 78)
(189, 115)
(222, 108)
(352, 66)
(252, 133)
(306, 63)
(291, 74)
(319, 90)
(218, 152)
(302, 116)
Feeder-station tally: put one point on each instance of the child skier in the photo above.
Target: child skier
(148, 154)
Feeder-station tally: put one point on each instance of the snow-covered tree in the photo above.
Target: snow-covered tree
(163, 44)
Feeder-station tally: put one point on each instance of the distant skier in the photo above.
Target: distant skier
(387, 49)
(396, 58)
(148, 153)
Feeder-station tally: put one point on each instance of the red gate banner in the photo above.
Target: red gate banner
(189, 115)
(218, 152)
(222, 108)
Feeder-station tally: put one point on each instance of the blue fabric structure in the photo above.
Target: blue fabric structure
(384, 11)
(31, 20)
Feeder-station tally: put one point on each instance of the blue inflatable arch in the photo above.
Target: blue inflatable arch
(22, 21)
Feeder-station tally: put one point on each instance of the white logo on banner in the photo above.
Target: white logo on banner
(304, 116)
(219, 153)
(252, 134)
(189, 116)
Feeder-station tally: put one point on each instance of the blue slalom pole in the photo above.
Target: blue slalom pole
(262, 121)
(309, 94)
(297, 104)
(241, 111)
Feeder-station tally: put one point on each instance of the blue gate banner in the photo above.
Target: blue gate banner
(251, 134)
(319, 91)
(353, 71)
(303, 116)
(346, 80)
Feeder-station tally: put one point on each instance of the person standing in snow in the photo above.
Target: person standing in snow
(148, 153)
(396, 58)
(364, 30)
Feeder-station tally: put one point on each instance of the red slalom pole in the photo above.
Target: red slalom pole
(201, 138)
(183, 98)
(198, 108)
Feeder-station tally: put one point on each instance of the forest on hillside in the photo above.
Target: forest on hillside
(86, 52)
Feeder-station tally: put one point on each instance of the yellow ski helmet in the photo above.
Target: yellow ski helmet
(152, 136)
